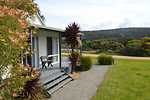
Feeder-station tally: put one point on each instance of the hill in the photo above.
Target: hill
(120, 33)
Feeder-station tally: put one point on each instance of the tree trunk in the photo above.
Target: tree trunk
(72, 63)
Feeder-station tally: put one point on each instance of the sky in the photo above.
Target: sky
(96, 14)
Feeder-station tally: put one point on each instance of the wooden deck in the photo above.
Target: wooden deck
(54, 78)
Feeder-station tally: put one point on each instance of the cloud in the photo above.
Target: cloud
(96, 14)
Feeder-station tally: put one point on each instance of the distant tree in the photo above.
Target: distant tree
(146, 45)
(73, 41)
(103, 45)
(133, 48)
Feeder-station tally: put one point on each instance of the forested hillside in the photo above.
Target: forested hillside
(120, 33)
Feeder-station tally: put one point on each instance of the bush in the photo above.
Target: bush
(86, 63)
(146, 46)
(104, 59)
(23, 84)
(133, 48)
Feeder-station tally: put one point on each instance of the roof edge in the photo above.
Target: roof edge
(48, 28)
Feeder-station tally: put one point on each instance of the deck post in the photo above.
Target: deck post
(60, 50)
(31, 48)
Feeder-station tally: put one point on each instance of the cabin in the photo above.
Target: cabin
(46, 43)
(46, 55)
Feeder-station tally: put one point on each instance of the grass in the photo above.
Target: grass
(127, 80)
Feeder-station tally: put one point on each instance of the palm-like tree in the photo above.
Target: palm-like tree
(73, 41)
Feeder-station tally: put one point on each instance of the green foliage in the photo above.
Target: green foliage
(118, 34)
(103, 45)
(133, 48)
(121, 41)
(13, 30)
(13, 42)
(104, 59)
(32, 90)
(24, 5)
(137, 47)
(18, 79)
(140, 47)
(86, 63)
(9, 53)
(9, 22)
(146, 45)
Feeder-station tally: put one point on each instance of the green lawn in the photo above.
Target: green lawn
(127, 80)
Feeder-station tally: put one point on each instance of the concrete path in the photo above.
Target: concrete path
(83, 88)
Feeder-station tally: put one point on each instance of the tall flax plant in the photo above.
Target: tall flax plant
(73, 41)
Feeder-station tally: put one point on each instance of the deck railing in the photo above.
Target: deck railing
(54, 58)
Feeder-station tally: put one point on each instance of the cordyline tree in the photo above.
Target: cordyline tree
(73, 41)
(16, 80)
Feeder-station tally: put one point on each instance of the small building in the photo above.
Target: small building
(46, 43)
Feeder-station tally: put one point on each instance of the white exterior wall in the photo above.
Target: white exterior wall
(42, 45)
(36, 53)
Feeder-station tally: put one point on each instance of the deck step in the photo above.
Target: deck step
(56, 82)
(51, 91)
(50, 79)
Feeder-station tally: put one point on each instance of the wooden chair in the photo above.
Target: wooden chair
(43, 60)
(49, 61)
(46, 60)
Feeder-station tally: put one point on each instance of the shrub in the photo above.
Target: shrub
(32, 89)
(22, 84)
(146, 46)
(86, 63)
(133, 48)
(14, 15)
(104, 59)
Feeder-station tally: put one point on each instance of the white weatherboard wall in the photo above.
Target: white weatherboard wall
(35, 60)
(42, 44)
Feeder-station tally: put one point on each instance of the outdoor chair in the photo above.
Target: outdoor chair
(46, 61)
(49, 61)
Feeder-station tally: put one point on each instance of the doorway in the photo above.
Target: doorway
(49, 45)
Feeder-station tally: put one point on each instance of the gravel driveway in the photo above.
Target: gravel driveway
(83, 88)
